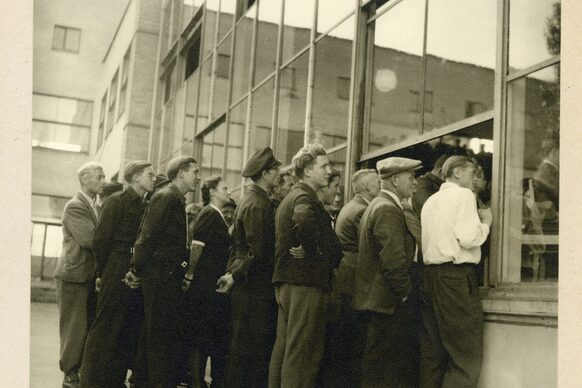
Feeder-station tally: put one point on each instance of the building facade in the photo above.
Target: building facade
(374, 78)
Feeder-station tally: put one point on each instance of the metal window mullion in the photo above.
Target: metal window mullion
(351, 136)
(155, 93)
(275, 115)
(214, 64)
(423, 64)
(532, 69)
(229, 93)
(368, 86)
(310, 78)
(388, 8)
(326, 33)
(42, 259)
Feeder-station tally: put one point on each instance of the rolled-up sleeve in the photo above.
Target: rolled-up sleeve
(469, 230)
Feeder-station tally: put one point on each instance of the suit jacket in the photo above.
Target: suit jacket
(253, 251)
(77, 263)
(426, 185)
(346, 229)
(301, 219)
(386, 251)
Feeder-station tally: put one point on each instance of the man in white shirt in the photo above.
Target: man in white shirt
(452, 233)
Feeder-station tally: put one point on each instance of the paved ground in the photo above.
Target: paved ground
(44, 346)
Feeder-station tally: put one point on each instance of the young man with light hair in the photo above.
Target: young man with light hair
(75, 271)
(302, 285)
(453, 230)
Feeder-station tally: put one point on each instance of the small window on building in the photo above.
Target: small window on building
(343, 88)
(222, 65)
(66, 39)
(192, 56)
(102, 120)
(288, 78)
(112, 101)
(124, 82)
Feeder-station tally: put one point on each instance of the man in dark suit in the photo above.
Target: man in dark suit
(428, 184)
(302, 285)
(159, 263)
(250, 270)
(75, 271)
(383, 284)
(111, 342)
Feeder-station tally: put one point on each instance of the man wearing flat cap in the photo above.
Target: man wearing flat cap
(383, 287)
(159, 263)
(111, 340)
(250, 270)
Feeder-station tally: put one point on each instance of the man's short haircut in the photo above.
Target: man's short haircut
(441, 161)
(282, 176)
(358, 185)
(88, 168)
(178, 164)
(453, 162)
(305, 157)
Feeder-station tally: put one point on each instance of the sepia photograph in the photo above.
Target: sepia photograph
(296, 194)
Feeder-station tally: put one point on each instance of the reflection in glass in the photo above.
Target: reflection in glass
(297, 26)
(532, 188)
(242, 58)
(534, 32)
(176, 27)
(330, 12)
(210, 26)
(292, 101)
(62, 110)
(168, 130)
(204, 106)
(221, 78)
(269, 17)
(61, 137)
(227, 8)
(189, 9)
(191, 100)
(398, 40)
(460, 71)
(261, 118)
(333, 55)
(213, 152)
(236, 134)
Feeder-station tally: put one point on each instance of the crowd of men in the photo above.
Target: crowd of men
(286, 289)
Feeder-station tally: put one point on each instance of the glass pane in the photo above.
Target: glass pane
(297, 20)
(532, 188)
(37, 240)
(292, 100)
(191, 99)
(204, 105)
(236, 133)
(227, 8)
(168, 131)
(74, 112)
(176, 27)
(338, 161)
(60, 136)
(47, 207)
(261, 118)
(242, 58)
(330, 110)
(460, 72)
(330, 12)
(210, 26)
(73, 39)
(534, 32)
(189, 9)
(269, 18)
(213, 152)
(221, 79)
(59, 38)
(166, 26)
(397, 73)
(54, 241)
(44, 107)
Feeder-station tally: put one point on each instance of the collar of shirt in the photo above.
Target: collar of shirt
(365, 199)
(448, 185)
(394, 196)
(92, 201)
(219, 212)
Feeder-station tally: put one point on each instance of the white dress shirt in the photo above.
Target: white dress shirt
(451, 228)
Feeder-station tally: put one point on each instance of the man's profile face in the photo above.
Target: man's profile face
(328, 193)
(95, 181)
(191, 176)
(285, 187)
(319, 171)
(146, 179)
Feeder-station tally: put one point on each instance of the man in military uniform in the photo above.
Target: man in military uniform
(111, 341)
(159, 262)
(302, 285)
(383, 284)
(251, 270)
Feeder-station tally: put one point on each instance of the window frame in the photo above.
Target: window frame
(66, 31)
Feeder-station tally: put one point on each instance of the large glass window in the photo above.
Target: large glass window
(534, 32)
(261, 117)
(242, 57)
(459, 70)
(46, 247)
(204, 106)
(269, 17)
(166, 15)
(533, 168)
(227, 8)
(124, 81)
(213, 151)
(221, 79)
(297, 23)
(333, 60)
(189, 9)
(212, 8)
(66, 39)
(292, 101)
(102, 115)
(112, 102)
(396, 70)
(61, 123)
(330, 12)
(191, 101)
(236, 134)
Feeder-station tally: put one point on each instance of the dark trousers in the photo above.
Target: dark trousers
(163, 305)
(76, 302)
(452, 340)
(300, 340)
(112, 339)
(254, 317)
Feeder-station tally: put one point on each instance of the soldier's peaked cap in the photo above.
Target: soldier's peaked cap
(260, 161)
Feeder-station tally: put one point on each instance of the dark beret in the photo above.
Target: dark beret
(134, 167)
(260, 161)
(176, 164)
